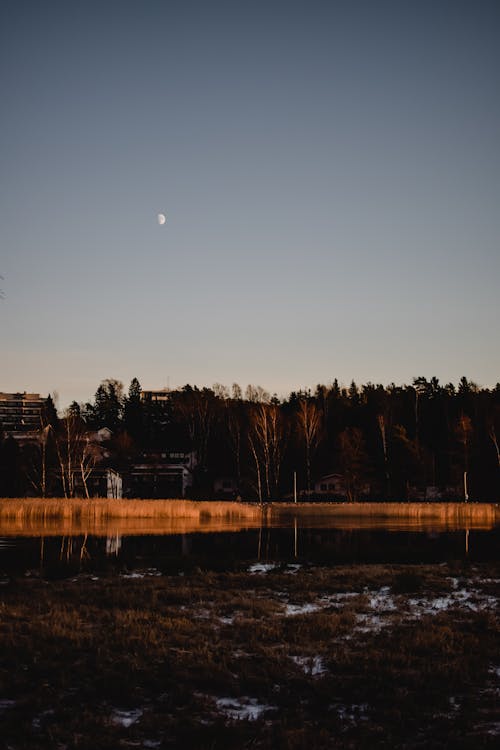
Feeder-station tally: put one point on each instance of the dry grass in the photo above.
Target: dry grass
(417, 516)
(34, 517)
(75, 651)
(101, 516)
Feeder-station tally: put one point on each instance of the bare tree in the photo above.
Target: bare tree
(493, 438)
(309, 420)
(220, 391)
(267, 438)
(383, 436)
(234, 420)
(76, 453)
(256, 459)
(256, 394)
(463, 431)
(353, 460)
(197, 410)
(89, 456)
(36, 470)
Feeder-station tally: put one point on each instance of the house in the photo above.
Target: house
(161, 473)
(226, 488)
(335, 487)
(330, 484)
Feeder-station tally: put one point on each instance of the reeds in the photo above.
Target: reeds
(34, 516)
(101, 516)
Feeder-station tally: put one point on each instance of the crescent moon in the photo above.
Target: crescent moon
(161, 219)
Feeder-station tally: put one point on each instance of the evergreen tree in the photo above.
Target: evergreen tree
(108, 405)
(133, 413)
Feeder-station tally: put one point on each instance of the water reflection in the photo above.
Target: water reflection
(175, 553)
(75, 542)
(458, 517)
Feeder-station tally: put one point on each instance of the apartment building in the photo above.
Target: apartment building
(20, 414)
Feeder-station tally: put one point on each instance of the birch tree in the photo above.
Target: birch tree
(77, 455)
(309, 421)
(267, 439)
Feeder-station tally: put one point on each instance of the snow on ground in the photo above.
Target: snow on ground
(369, 623)
(476, 601)
(312, 665)
(242, 708)
(338, 600)
(262, 567)
(142, 573)
(267, 567)
(377, 608)
(301, 609)
(293, 568)
(382, 600)
(126, 718)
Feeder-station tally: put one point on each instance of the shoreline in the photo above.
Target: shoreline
(36, 516)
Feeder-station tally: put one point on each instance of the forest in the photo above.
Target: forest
(418, 441)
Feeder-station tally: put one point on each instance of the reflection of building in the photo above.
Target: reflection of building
(21, 413)
(113, 544)
(161, 474)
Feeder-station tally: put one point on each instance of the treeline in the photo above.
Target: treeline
(385, 442)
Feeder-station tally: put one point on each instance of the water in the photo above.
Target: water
(305, 540)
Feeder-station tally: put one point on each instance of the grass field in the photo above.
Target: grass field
(271, 656)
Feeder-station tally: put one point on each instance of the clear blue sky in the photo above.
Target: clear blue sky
(329, 171)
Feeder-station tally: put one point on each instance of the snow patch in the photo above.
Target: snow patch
(382, 600)
(242, 709)
(312, 665)
(368, 623)
(126, 718)
(142, 573)
(261, 567)
(293, 568)
(301, 609)
(473, 601)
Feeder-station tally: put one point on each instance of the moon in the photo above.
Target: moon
(161, 219)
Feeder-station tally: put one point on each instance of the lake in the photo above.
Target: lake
(60, 539)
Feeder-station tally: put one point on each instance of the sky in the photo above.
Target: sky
(330, 174)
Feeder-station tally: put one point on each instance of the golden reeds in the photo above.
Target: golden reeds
(27, 516)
